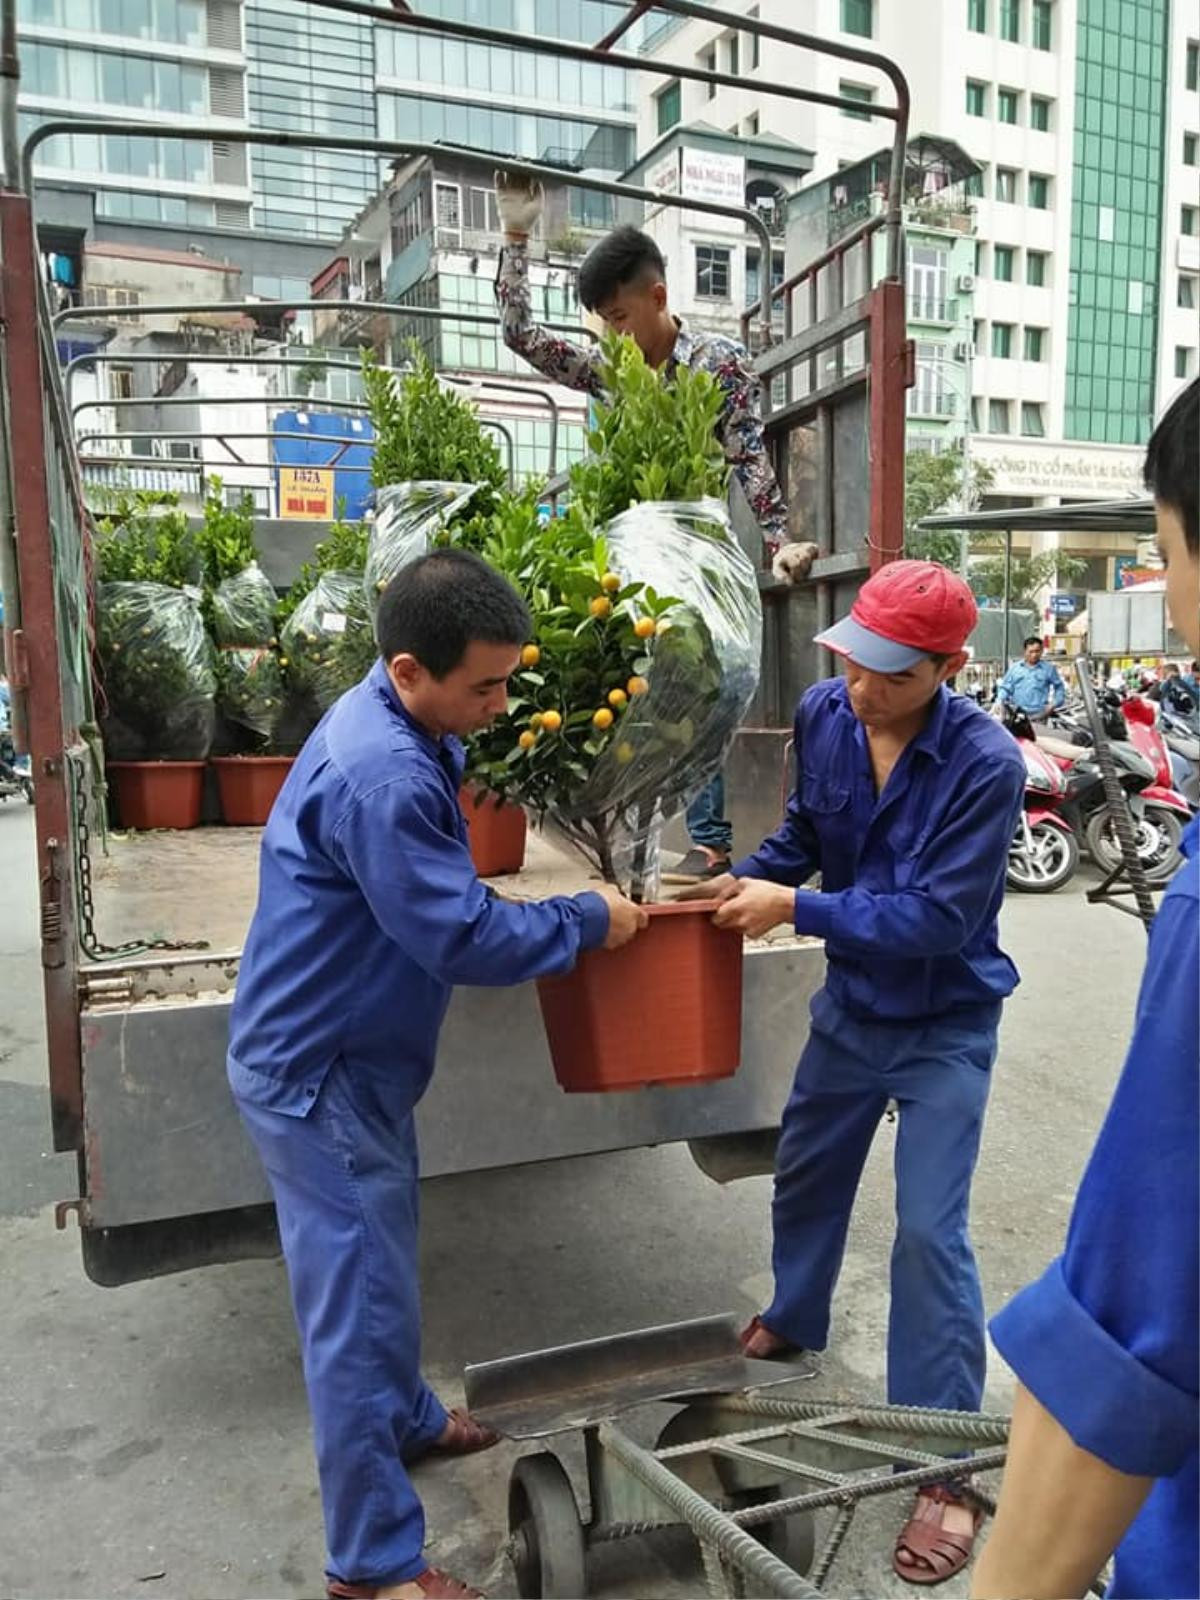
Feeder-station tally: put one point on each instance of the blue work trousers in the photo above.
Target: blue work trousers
(707, 824)
(938, 1071)
(345, 1185)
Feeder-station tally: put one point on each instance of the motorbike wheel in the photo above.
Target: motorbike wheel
(1045, 867)
(1157, 833)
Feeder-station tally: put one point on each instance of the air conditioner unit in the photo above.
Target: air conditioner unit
(964, 350)
(965, 282)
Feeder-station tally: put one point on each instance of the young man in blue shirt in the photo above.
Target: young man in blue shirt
(1033, 684)
(906, 799)
(1105, 1449)
(369, 910)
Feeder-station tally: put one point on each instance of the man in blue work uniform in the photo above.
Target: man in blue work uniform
(906, 799)
(369, 909)
(1032, 685)
(1105, 1448)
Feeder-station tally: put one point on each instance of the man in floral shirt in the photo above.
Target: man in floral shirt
(622, 279)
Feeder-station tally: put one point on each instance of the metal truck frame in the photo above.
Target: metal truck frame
(136, 1033)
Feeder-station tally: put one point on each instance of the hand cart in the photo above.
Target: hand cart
(744, 1469)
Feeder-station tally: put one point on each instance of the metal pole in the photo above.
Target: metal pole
(966, 496)
(1008, 539)
(10, 83)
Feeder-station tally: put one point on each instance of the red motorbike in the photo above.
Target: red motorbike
(1044, 852)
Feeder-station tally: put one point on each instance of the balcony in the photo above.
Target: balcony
(932, 403)
(928, 308)
(953, 215)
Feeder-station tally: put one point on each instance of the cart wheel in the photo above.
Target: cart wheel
(543, 1518)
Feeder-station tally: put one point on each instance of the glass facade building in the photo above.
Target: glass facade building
(1116, 220)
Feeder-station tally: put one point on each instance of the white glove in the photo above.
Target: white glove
(519, 202)
(793, 562)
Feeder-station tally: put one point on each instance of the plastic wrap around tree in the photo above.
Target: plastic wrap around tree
(645, 661)
(409, 517)
(327, 642)
(158, 686)
(249, 676)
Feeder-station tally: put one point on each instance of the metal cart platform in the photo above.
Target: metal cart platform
(746, 1470)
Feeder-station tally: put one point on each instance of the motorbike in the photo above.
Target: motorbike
(1181, 733)
(16, 777)
(1044, 852)
(1160, 812)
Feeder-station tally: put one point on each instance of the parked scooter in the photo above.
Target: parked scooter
(16, 777)
(1181, 731)
(1044, 852)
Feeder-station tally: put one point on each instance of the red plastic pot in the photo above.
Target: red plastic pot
(666, 1008)
(248, 785)
(158, 794)
(496, 832)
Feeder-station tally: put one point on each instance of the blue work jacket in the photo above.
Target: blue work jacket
(1108, 1339)
(1032, 689)
(912, 879)
(369, 910)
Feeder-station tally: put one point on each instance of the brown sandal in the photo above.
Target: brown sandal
(433, 1583)
(463, 1437)
(935, 1553)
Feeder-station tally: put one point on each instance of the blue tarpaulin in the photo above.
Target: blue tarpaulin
(295, 446)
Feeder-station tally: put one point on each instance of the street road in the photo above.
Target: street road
(154, 1439)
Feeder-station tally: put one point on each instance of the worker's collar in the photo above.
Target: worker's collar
(381, 682)
(932, 734)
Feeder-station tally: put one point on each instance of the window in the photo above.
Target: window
(1007, 102)
(860, 92)
(1035, 344)
(754, 281)
(1039, 191)
(1185, 295)
(1003, 268)
(973, 185)
(482, 216)
(1187, 220)
(1035, 269)
(1006, 185)
(120, 383)
(1042, 25)
(1039, 114)
(929, 396)
(977, 16)
(708, 61)
(733, 54)
(750, 126)
(1002, 340)
(928, 275)
(1106, 224)
(712, 272)
(858, 16)
(998, 421)
(1183, 361)
(1189, 149)
(668, 105)
(1010, 20)
(1193, 65)
(755, 41)
(976, 98)
(447, 208)
(1033, 425)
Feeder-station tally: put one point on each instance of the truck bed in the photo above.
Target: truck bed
(202, 883)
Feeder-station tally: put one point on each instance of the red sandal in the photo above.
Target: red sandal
(935, 1553)
(433, 1583)
(760, 1342)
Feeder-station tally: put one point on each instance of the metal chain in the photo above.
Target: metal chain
(94, 948)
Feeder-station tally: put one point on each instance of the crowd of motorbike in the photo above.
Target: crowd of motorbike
(1156, 751)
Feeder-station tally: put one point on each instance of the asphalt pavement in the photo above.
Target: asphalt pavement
(154, 1439)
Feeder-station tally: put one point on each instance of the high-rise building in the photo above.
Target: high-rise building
(1084, 120)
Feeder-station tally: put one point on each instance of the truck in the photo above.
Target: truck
(140, 938)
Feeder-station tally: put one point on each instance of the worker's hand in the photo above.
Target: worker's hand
(756, 907)
(624, 918)
(716, 889)
(793, 562)
(519, 202)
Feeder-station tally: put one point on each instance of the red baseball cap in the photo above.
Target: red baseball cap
(907, 610)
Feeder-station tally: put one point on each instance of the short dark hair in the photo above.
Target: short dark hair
(622, 257)
(1170, 470)
(1034, 638)
(435, 607)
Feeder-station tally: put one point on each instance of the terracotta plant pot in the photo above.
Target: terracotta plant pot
(158, 794)
(496, 832)
(248, 786)
(667, 1008)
